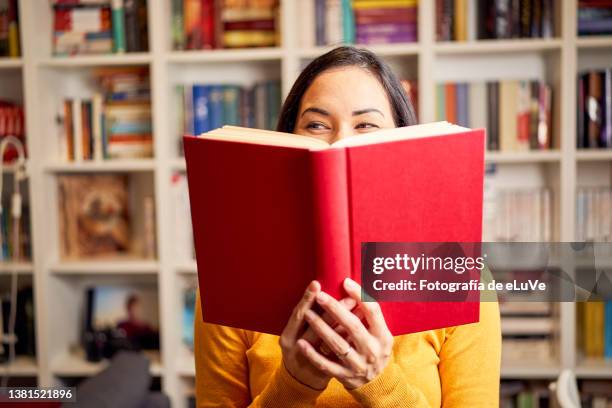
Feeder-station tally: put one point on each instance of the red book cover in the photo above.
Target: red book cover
(269, 219)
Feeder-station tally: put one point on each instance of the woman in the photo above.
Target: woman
(335, 359)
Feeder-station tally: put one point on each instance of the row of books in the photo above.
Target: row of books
(516, 114)
(526, 394)
(99, 27)
(528, 332)
(204, 107)
(594, 105)
(595, 393)
(359, 21)
(9, 29)
(98, 218)
(518, 215)
(594, 17)
(208, 24)
(8, 251)
(593, 218)
(469, 20)
(113, 124)
(595, 328)
(12, 123)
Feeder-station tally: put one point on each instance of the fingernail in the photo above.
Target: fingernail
(313, 286)
(322, 297)
(352, 284)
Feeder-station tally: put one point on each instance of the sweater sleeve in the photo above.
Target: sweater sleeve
(222, 372)
(470, 361)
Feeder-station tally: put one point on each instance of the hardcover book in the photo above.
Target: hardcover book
(273, 211)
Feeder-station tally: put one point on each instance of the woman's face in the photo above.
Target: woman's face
(342, 102)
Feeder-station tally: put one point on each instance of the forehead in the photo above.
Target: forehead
(346, 87)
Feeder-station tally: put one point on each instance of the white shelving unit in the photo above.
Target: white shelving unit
(45, 80)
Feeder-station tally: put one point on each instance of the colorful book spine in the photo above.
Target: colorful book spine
(118, 26)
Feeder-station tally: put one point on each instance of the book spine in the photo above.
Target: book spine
(231, 95)
(607, 117)
(493, 115)
(14, 48)
(548, 19)
(132, 35)
(178, 24)
(201, 109)
(460, 32)
(580, 113)
(192, 12)
(451, 102)
(118, 26)
(77, 130)
(331, 219)
(608, 330)
(320, 19)
(208, 24)
(215, 107)
(333, 22)
(462, 104)
(348, 22)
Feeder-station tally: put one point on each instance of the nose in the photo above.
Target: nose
(343, 131)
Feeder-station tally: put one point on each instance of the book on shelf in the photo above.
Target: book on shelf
(594, 328)
(517, 114)
(594, 17)
(367, 22)
(594, 105)
(470, 20)
(593, 218)
(203, 107)
(308, 207)
(10, 44)
(211, 24)
(12, 123)
(99, 27)
(114, 123)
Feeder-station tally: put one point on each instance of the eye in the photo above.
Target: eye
(316, 126)
(366, 125)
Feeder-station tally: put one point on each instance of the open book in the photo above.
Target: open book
(272, 211)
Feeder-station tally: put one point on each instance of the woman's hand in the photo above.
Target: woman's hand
(364, 354)
(293, 359)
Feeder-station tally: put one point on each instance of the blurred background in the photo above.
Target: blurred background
(99, 257)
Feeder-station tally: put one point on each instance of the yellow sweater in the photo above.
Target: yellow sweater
(452, 367)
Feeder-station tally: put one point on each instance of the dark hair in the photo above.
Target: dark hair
(346, 56)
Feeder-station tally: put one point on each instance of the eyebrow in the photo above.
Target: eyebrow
(354, 113)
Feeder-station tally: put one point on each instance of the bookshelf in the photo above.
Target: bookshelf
(42, 80)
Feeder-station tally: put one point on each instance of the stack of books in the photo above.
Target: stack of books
(208, 24)
(516, 114)
(9, 29)
(327, 22)
(12, 123)
(112, 124)
(518, 215)
(594, 17)
(463, 20)
(100, 27)
(594, 329)
(594, 116)
(593, 218)
(204, 107)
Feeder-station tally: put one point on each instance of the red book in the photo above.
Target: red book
(273, 211)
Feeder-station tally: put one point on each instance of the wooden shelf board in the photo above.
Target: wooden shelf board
(96, 60)
(594, 154)
(23, 366)
(594, 41)
(229, 55)
(10, 63)
(19, 267)
(498, 46)
(594, 368)
(101, 166)
(523, 157)
(75, 365)
(384, 50)
(106, 267)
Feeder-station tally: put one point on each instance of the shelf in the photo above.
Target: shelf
(229, 55)
(594, 368)
(106, 267)
(10, 63)
(188, 267)
(544, 370)
(384, 50)
(23, 366)
(498, 46)
(594, 41)
(97, 166)
(523, 157)
(95, 60)
(75, 365)
(19, 267)
(594, 155)
(186, 367)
